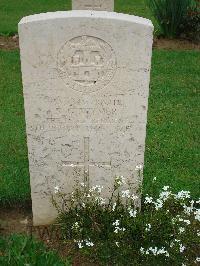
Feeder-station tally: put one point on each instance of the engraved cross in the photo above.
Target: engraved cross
(86, 163)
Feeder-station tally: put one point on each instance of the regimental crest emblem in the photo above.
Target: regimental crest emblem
(86, 63)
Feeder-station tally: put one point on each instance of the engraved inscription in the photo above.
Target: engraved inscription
(86, 163)
(93, 5)
(86, 63)
(99, 5)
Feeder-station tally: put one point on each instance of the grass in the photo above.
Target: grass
(23, 250)
(12, 11)
(172, 136)
(172, 152)
(14, 177)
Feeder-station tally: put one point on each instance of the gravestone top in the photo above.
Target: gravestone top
(86, 14)
(86, 84)
(98, 5)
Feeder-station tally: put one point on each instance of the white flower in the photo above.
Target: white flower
(163, 251)
(164, 195)
(154, 179)
(158, 204)
(182, 248)
(117, 229)
(134, 197)
(100, 200)
(192, 203)
(116, 223)
(183, 195)
(197, 214)
(181, 230)
(165, 188)
(187, 210)
(155, 251)
(120, 180)
(75, 226)
(148, 227)
(96, 188)
(126, 194)
(56, 189)
(117, 244)
(185, 221)
(198, 233)
(142, 250)
(132, 213)
(148, 200)
(83, 205)
(114, 206)
(89, 243)
(197, 259)
(138, 167)
(80, 244)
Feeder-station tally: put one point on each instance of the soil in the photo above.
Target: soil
(14, 220)
(9, 43)
(175, 44)
(12, 43)
(19, 220)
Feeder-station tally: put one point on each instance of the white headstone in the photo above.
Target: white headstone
(99, 5)
(86, 84)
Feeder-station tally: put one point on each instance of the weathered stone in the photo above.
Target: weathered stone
(86, 85)
(98, 5)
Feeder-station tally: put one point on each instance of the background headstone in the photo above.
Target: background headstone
(86, 84)
(98, 5)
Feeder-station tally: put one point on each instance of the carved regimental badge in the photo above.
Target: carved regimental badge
(86, 63)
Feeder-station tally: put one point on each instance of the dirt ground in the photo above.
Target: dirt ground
(19, 220)
(9, 43)
(12, 43)
(175, 44)
(14, 220)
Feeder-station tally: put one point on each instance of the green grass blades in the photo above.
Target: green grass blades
(169, 14)
(18, 250)
(12, 11)
(14, 176)
(172, 150)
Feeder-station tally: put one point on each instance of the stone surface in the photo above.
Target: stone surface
(98, 5)
(86, 85)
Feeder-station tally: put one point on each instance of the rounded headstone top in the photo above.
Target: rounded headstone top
(86, 14)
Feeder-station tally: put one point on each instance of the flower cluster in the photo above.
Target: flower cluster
(119, 181)
(117, 228)
(84, 243)
(164, 231)
(155, 251)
